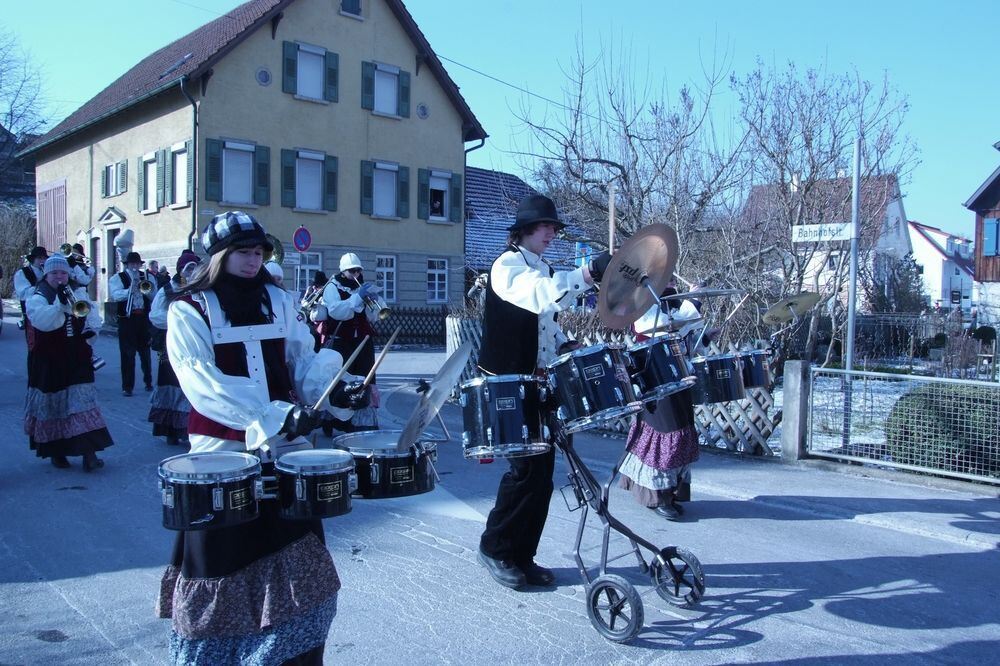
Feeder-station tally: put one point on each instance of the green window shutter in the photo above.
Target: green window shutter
(288, 178)
(188, 145)
(104, 182)
(122, 168)
(290, 67)
(167, 177)
(213, 170)
(262, 176)
(403, 98)
(161, 158)
(403, 197)
(367, 85)
(330, 183)
(367, 187)
(455, 199)
(332, 75)
(423, 194)
(140, 184)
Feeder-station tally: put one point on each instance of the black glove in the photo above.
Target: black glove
(353, 395)
(598, 265)
(86, 335)
(423, 386)
(71, 260)
(63, 296)
(300, 422)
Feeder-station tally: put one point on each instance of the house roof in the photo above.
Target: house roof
(491, 199)
(987, 196)
(928, 232)
(194, 54)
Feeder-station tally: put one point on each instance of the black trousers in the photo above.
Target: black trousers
(514, 526)
(133, 337)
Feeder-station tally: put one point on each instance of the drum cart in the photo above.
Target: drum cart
(613, 603)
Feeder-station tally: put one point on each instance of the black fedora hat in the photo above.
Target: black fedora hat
(38, 252)
(133, 258)
(534, 209)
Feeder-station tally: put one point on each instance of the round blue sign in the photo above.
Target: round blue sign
(302, 239)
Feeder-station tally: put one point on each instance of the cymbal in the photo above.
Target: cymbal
(648, 257)
(708, 293)
(790, 308)
(433, 399)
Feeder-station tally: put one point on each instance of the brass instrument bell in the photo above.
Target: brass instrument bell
(81, 308)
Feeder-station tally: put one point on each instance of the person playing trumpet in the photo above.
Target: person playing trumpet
(28, 277)
(133, 292)
(62, 417)
(81, 273)
(350, 315)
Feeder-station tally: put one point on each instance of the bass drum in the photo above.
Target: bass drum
(503, 417)
(315, 483)
(201, 491)
(719, 379)
(385, 472)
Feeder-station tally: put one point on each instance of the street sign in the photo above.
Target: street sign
(302, 239)
(821, 233)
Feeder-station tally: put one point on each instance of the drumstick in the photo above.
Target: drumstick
(340, 373)
(381, 356)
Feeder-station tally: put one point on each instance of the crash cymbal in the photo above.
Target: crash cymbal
(708, 293)
(648, 257)
(434, 398)
(790, 307)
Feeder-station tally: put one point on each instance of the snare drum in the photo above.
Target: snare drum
(314, 483)
(660, 367)
(592, 386)
(719, 379)
(385, 472)
(201, 491)
(503, 417)
(756, 369)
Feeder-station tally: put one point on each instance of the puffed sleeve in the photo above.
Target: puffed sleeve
(22, 287)
(93, 321)
(341, 309)
(232, 401)
(117, 288)
(83, 275)
(158, 310)
(532, 289)
(45, 316)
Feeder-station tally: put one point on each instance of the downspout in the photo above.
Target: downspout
(465, 174)
(194, 163)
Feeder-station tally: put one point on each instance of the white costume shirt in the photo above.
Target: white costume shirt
(687, 312)
(237, 402)
(47, 316)
(343, 309)
(22, 287)
(522, 278)
(158, 309)
(82, 275)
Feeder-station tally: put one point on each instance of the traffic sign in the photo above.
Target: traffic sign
(821, 233)
(302, 239)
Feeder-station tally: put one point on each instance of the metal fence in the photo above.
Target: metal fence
(422, 326)
(935, 425)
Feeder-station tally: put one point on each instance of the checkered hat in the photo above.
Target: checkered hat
(233, 228)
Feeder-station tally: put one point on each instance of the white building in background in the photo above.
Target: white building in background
(948, 268)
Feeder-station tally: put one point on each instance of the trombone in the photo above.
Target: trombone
(375, 304)
(308, 304)
(80, 308)
(67, 250)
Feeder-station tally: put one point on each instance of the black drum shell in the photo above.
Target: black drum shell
(494, 417)
(593, 374)
(719, 379)
(756, 369)
(391, 475)
(325, 494)
(189, 505)
(660, 367)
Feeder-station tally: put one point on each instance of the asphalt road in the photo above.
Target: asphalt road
(803, 565)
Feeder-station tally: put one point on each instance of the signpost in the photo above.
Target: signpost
(822, 233)
(302, 239)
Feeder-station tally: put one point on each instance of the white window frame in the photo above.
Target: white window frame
(180, 193)
(149, 191)
(440, 279)
(241, 146)
(385, 167)
(312, 156)
(312, 51)
(385, 276)
(306, 270)
(386, 73)
(446, 208)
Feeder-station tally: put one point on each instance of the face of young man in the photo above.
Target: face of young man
(245, 262)
(39, 262)
(539, 237)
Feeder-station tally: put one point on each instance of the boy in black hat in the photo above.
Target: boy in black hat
(133, 321)
(29, 275)
(521, 336)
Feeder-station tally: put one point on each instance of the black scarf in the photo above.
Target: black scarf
(349, 283)
(241, 298)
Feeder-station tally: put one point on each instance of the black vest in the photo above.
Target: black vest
(29, 273)
(127, 283)
(510, 334)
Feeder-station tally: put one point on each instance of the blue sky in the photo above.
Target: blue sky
(941, 55)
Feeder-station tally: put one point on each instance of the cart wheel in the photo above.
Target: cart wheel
(614, 608)
(677, 576)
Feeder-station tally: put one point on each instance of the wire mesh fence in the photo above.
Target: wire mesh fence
(934, 425)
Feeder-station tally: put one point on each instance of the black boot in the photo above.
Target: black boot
(60, 462)
(683, 492)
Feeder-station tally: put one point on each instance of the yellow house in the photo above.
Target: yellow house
(332, 115)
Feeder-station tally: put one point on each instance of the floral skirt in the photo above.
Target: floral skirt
(657, 463)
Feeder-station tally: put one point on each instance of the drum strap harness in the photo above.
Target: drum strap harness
(251, 336)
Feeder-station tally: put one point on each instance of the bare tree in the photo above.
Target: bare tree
(21, 100)
(17, 228)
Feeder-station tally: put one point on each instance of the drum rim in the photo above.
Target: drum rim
(536, 448)
(425, 437)
(314, 469)
(698, 359)
(484, 379)
(585, 351)
(252, 469)
(656, 339)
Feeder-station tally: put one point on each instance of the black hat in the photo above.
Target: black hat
(38, 252)
(133, 258)
(534, 209)
(78, 248)
(234, 228)
(320, 279)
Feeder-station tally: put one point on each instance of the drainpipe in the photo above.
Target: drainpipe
(194, 163)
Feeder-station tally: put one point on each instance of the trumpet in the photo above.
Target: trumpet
(67, 250)
(375, 304)
(145, 287)
(311, 302)
(80, 308)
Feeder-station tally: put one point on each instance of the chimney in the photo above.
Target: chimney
(794, 185)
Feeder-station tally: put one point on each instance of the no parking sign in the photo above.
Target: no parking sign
(302, 239)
